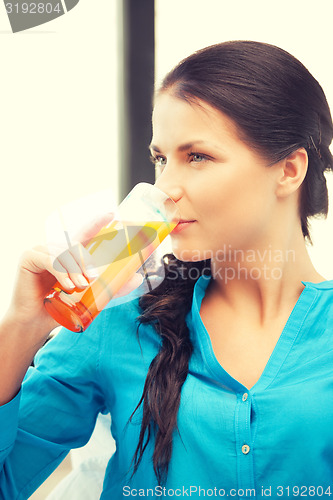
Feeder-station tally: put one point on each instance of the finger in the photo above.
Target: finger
(39, 260)
(67, 261)
(77, 259)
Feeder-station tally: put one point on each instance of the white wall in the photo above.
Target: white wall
(302, 27)
(58, 115)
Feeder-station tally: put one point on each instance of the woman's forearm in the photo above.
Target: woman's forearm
(18, 346)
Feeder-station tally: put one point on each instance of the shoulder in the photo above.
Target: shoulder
(120, 310)
(82, 349)
(323, 291)
(323, 285)
(320, 302)
(121, 329)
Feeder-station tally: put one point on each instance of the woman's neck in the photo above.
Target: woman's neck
(261, 282)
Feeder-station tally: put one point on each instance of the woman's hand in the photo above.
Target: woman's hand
(41, 267)
(27, 324)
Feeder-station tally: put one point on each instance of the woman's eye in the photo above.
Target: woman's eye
(197, 157)
(159, 161)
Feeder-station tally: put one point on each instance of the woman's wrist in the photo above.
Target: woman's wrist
(19, 343)
(37, 328)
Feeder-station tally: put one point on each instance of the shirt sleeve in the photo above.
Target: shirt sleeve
(55, 411)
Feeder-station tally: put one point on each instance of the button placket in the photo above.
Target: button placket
(244, 441)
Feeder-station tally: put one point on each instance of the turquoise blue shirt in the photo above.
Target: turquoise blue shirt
(275, 438)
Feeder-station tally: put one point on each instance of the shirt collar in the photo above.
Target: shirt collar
(203, 282)
(323, 285)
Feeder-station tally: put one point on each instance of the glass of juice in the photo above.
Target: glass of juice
(141, 222)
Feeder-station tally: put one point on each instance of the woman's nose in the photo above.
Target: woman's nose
(170, 186)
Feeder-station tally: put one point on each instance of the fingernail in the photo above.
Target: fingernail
(82, 281)
(69, 283)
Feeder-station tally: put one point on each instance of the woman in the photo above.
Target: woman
(216, 380)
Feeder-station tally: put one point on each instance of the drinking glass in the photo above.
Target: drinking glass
(141, 222)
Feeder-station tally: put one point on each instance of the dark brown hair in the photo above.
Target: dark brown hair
(278, 107)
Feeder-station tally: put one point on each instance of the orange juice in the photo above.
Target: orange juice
(118, 251)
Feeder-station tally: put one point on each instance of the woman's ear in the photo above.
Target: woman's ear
(291, 173)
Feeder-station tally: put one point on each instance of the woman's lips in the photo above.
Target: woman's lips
(182, 224)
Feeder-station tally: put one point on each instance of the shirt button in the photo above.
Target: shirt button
(245, 449)
(245, 395)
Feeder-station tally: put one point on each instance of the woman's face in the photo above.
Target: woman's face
(213, 176)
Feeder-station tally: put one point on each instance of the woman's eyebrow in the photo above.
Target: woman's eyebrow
(189, 145)
(184, 147)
